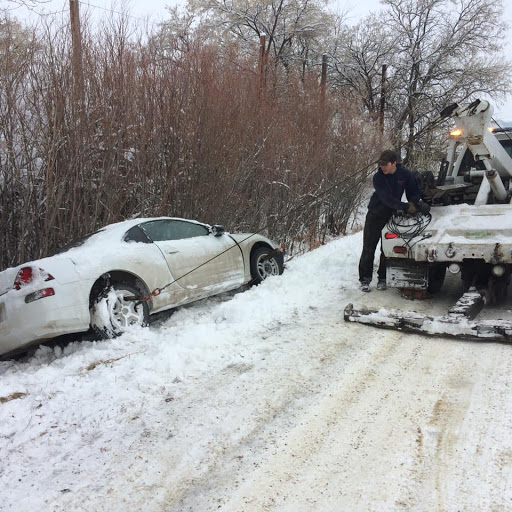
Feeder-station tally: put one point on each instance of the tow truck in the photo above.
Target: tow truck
(468, 232)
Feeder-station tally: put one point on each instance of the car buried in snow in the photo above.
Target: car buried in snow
(117, 277)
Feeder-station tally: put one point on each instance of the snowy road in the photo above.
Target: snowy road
(268, 401)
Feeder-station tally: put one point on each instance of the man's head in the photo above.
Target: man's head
(387, 161)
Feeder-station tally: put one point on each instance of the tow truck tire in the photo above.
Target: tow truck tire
(436, 275)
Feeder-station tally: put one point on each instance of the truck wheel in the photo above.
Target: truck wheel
(436, 275)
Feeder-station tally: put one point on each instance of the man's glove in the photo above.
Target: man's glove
(423, 207)
(410, 209)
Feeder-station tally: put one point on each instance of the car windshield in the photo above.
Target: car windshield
(75, 243)
(507, 145)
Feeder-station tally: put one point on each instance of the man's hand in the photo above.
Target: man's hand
(411, 208)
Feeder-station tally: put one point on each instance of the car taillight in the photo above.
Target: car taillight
(41, 294)
(399, 249)
(26, 275)
(389, 236)
(23, 278)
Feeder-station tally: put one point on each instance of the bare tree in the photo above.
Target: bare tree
(293, 28)
(437, 51)
(170, 126)
(357, 60)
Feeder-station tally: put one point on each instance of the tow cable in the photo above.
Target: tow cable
(157, 291)
(309, 200)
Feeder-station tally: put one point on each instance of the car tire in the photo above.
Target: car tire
(264, 263)
(112, 315)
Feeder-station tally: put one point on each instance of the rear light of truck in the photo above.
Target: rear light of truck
(27, 274)
(390, 236)
(400, 249)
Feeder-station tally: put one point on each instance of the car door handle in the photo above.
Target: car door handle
(172, 252)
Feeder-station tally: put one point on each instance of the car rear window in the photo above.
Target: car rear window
(75, 243)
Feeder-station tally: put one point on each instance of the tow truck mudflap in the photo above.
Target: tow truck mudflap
(458, 322)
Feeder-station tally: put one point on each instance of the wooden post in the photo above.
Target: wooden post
(76, 41)
(382, 98)
(261, 66)
(323, 80)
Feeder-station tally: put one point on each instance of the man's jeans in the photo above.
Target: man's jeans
(373, 227)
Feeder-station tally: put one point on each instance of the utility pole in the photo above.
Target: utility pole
(261, 66)
(382, 98)
(323, 80)
(76, 41)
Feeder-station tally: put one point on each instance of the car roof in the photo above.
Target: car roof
(125, 225)
(110, 235)
(106, 239)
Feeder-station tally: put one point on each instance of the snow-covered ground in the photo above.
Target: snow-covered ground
(262, 400)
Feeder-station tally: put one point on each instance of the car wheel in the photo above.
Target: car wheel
(264, 263)
(112, 314)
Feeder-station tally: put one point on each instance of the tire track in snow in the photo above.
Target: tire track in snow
(283, 371)
(300, 441)
(465, 433)
(380, 432)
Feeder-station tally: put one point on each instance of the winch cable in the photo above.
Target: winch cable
(362, 172)
(409, 227)
(504, 130)
(308, 201)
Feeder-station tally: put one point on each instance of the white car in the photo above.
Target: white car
(118, 276)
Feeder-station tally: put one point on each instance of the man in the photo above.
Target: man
(390, 181)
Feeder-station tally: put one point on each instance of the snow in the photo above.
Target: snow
(262, 400)
(487, 221)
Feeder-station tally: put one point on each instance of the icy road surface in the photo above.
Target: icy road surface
(263, 401)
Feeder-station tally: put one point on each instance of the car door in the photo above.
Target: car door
(201, 263)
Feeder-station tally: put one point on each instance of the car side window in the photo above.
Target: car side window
(159, 230)
(136, 234)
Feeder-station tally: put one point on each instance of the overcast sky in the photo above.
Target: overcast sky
(157, 8)
(156, 11)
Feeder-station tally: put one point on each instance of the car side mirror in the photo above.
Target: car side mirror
(218, 230)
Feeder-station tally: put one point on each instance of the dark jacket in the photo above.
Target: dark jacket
(389, 189)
